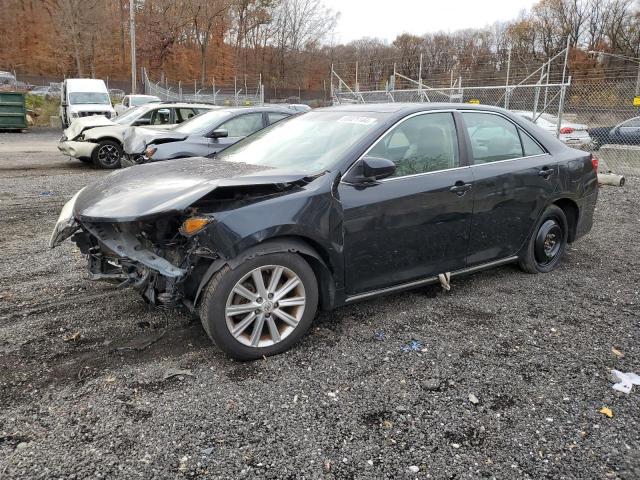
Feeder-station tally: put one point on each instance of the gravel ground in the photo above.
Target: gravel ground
(82, 398)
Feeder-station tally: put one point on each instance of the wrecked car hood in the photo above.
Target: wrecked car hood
(155, 189)
(136, 139)
(115, 130)
(79, 125)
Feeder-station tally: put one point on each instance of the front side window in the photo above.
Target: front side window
(243, 125)
(421, 144)
(493, 138)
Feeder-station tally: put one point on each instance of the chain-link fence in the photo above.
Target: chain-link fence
(244, 90)
(606, 111)
(596, 117)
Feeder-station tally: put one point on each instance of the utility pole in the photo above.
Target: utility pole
(132, 34)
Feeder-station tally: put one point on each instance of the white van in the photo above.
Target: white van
(83, 97)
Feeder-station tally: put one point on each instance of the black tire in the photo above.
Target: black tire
(107, 155)
(218, 292)
(548, 242)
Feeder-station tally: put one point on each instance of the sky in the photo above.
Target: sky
(388, 19)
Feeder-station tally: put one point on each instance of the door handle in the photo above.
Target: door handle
(460, 188)
(546, 172)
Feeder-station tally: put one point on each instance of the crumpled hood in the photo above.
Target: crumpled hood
(79, 125)
(136, 139)
(155, 189)
(114, 130)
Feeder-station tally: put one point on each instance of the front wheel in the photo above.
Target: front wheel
(107, 154)
(261, 308)
(548, 242)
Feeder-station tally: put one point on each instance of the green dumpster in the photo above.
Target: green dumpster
(13, 113)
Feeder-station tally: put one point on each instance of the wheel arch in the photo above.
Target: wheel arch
(313, 253)
(97, 141)
(572, 212)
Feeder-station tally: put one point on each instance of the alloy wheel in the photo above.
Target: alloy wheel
(265, 306)
(108, 155)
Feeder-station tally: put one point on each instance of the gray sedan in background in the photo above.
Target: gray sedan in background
(201, 136)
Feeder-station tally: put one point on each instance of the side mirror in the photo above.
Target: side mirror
(219, 133)
(371, 169)
(142, 121)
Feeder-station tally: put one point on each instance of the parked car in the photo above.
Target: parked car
(129, 101)
(7, 79)
(45, 92)
(625, 133)
(335, 206)
(99, 140)
(573, 134)
(84, 97)
(202, 136)
(299, 107)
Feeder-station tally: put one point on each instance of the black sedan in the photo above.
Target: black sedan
(625, 133)
(332, 207)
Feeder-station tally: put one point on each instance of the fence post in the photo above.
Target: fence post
(561, 105)
(420, 79)
(506, 91)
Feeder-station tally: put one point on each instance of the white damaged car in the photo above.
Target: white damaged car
(98, 140)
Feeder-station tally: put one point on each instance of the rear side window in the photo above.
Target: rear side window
(243, 125)
(183, 114)
(421, 144)
(276, 117)
(493, 138)
(529, 146)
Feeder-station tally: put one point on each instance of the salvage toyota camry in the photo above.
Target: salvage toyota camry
(331, 207)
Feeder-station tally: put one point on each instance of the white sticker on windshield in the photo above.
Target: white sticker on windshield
(358, 120)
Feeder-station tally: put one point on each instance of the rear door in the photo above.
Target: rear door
(513, 179)
(414, 224)
(238, 127)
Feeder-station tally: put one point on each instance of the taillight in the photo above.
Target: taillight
(594, 163)
(566, 130)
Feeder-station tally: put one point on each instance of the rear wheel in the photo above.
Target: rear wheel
(261, 308)
(548, 242)
(107, 154)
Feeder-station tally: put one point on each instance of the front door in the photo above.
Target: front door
(513, 179)
(416, 223)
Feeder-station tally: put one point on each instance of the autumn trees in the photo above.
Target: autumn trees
(287, 41)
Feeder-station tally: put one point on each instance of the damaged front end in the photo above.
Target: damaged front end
(152, 257)
(160, 227)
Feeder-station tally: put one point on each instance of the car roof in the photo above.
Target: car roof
(179, 105)
(408, 108)
(85, 85)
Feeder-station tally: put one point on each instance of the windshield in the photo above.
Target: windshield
(129, 116)
(135, 101)
(84, 98)
(313, 142)
(202, 124)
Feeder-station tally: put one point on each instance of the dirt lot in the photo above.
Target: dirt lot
(82, 396)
